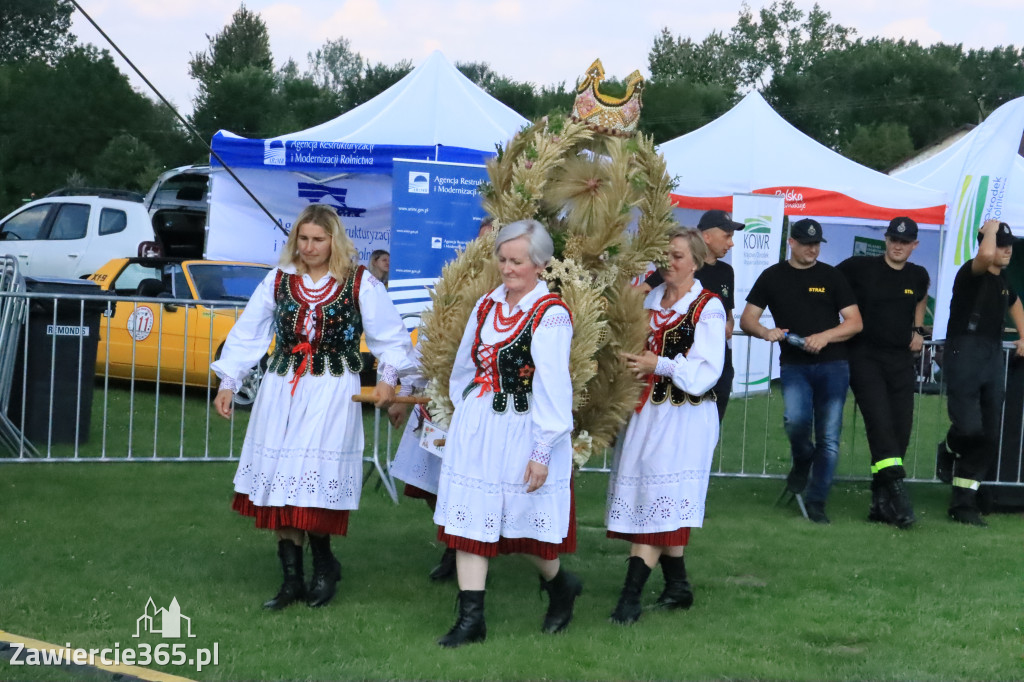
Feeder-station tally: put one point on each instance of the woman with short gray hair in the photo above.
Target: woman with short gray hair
(507, 465)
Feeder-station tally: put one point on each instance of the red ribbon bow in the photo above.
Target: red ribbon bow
(307, 354)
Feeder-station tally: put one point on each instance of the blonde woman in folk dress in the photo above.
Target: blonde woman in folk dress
(662, 461)
(300, 470)
(505, 474)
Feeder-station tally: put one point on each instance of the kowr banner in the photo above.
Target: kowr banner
(239, 230)
(436, 211)
(756, 247)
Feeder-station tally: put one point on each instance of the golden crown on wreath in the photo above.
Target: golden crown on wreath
(608, 115)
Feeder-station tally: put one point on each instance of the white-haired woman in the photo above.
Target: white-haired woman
(662, 461)
(300, 470)
(507, 465)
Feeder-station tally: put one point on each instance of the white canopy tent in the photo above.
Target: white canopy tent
(434, 113)
(751, 149)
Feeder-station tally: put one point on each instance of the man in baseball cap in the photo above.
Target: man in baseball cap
(892, 294)
(807, 231)
(815, 311)
(973, 367)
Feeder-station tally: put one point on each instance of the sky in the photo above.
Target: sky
(541, 41)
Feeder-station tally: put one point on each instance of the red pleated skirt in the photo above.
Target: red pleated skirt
(543, 550)
(673, 538)
(310, 519)
(419, 494)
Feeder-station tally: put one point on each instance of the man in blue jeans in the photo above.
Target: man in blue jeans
(815, 312)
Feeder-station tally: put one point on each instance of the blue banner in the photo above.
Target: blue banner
(329, 156)
(436, 211)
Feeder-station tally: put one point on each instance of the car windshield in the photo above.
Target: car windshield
(223, 282)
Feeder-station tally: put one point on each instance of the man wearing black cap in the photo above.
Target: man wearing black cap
(815, 311)
(973, 366)
(717, 276)
(892, 294)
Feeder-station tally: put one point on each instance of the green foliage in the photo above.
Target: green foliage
(58, 119)
(677, 106)
(244, 43)
(880, 146)
(334, 65)
(126, 162)
(35, 30)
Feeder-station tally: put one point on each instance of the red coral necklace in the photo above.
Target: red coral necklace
(503, 324)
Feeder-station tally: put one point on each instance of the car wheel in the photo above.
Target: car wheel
(246, 395)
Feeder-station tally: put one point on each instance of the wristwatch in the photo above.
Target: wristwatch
(919, 330)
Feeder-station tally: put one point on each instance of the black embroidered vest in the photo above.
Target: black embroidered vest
(677, 340)
(507, 367)
(335, 347)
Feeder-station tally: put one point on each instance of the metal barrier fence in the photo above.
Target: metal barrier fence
(146, 395)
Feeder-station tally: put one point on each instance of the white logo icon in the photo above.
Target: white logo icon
(140, 323)
(811, 231)
(419, 182)
(435, 243)
(163, 622)
(273, 153)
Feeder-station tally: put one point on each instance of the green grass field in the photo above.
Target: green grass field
(85, 547)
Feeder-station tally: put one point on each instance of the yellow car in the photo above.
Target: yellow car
(173, 342)
(185, 338)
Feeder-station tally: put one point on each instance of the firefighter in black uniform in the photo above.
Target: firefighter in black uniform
(892, 294)
(973, 367)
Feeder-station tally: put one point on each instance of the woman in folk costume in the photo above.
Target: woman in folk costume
(505, 474)
(300, 470)
(659, 477)
(419, 468)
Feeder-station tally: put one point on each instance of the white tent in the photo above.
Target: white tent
(751, 149)
(433, 114)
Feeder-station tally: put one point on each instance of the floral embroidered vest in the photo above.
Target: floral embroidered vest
(507, 367)
(338, 325)
(670, 341)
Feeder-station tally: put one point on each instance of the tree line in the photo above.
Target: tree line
(70, 116)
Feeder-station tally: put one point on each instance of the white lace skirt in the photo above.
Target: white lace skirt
(413, 464)
(481, 494)
(659, 478)
(304, 450)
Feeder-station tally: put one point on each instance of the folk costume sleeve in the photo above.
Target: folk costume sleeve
(250, 337)
(414, 380)
(551, 410)
(386, 336)
(698, 371)
(463, 371)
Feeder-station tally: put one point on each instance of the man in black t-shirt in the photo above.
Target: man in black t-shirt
(973, 367)
(717, 276)
(815, 311)
(892, 294)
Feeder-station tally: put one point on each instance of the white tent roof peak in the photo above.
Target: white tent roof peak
(751, 148)
(434, 104)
